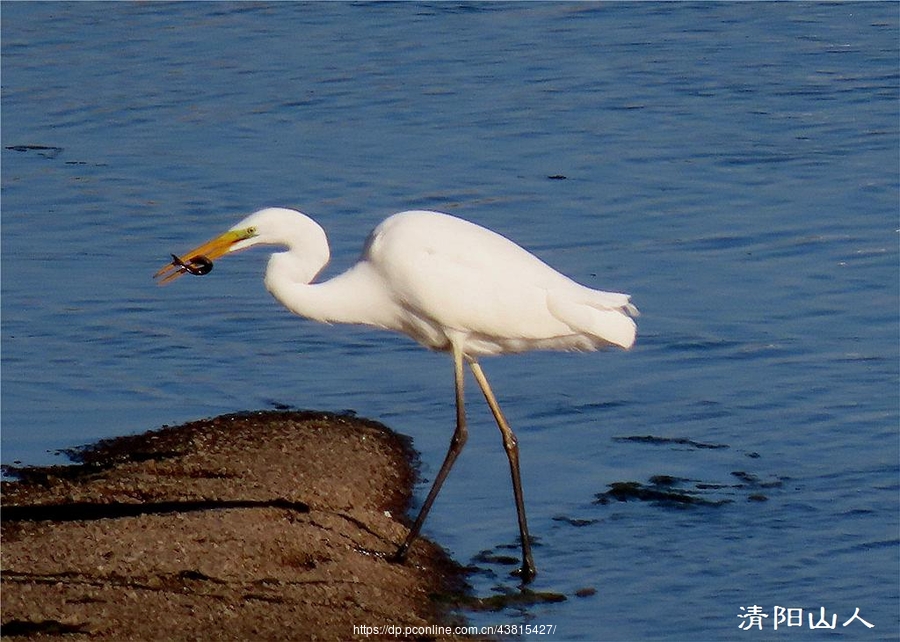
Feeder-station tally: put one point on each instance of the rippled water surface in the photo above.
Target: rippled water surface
(733, 166)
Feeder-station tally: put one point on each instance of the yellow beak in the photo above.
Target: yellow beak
(201, 256)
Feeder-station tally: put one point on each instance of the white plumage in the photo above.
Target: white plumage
(440, 279)
(447, 283)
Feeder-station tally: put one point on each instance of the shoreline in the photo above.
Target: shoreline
(263, 525)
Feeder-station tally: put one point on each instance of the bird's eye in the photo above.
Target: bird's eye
(251, 231)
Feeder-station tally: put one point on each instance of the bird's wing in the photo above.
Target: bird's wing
(470, 280)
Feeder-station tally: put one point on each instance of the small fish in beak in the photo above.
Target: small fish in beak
(202, 257)
(198, 265)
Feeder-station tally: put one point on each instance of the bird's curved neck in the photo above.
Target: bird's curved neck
(353, 297)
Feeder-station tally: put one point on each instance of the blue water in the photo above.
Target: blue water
(732, 166)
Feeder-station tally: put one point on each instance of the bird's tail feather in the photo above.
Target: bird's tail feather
(606, 317)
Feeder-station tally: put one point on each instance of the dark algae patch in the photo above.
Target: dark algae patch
(664, 493)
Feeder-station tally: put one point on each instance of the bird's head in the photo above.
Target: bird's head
(270, 226)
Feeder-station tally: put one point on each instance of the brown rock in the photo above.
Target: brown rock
(258, 526)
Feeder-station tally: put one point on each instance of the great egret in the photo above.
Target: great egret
(450, 285)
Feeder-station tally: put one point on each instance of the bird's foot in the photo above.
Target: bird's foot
(527, 573)
(399, 555)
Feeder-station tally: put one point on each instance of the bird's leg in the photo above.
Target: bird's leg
(460, 436)
(511, 444)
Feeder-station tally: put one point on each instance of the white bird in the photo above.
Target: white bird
(451, 285)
